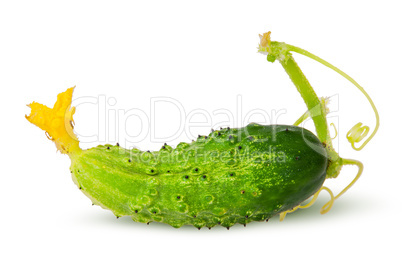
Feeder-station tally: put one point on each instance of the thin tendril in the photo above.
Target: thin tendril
(327, 207)
(355, 132)
(323, 210)
(359, 173)
(336, 131)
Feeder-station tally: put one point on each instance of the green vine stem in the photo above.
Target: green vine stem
(309, 96)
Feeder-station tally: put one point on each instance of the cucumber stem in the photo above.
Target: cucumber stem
(309, 96)
(316, 107)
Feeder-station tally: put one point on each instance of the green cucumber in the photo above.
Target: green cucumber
(230, 176)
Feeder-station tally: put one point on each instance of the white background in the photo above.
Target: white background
(203, 55)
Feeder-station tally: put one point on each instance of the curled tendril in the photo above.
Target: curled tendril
(356, 134)
(336, 131)
(324, 209)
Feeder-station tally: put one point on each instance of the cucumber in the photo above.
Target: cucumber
(230, 176)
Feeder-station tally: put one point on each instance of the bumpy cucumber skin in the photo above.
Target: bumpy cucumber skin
(230, 176)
